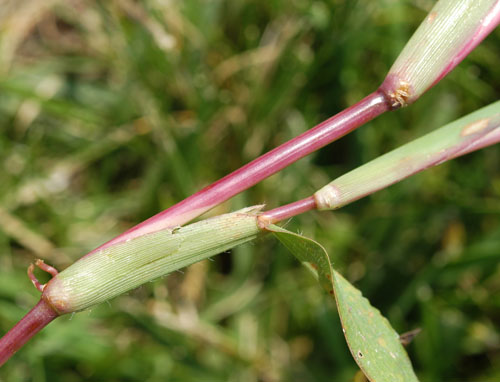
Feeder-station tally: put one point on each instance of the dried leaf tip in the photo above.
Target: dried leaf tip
(44, 267)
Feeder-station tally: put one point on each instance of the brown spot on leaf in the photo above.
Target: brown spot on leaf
(475, 127)
(431, 17)
(360, 355)
(381, 342)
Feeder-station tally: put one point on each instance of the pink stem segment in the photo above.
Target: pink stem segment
(287, 211)
(34, 321)
(260, 168)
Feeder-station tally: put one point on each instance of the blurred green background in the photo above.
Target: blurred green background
(112, 111)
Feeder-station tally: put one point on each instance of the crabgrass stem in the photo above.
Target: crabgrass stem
(287, 211)
(450, 32)
(34, 321)
(260, 168)
(154, 247)
(124, 266)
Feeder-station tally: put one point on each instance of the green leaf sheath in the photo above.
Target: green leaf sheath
(449, 32)
(122, 267)
(468, 133)
(374, 344)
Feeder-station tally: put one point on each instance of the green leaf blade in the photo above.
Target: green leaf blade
(374, 344)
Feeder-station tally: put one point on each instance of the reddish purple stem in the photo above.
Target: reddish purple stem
(287, 211)
(260, 168)
(34, 321)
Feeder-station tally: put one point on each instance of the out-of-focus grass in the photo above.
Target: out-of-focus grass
(113, 111)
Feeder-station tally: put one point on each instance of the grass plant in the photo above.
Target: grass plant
(179, 86)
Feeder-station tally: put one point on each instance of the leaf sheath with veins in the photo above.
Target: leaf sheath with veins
(124, 266)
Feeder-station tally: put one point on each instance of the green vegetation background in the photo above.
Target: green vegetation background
(113, 111)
